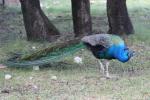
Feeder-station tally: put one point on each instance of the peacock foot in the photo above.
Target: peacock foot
(110, 76)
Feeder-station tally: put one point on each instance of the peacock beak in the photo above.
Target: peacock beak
(134, 53)
(131, 53)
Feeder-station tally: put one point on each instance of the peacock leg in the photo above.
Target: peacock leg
(101, 67)
(106, 69)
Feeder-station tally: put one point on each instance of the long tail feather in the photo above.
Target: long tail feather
(55, 47)
(45, 56)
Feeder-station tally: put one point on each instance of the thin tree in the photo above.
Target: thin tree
(118, 18)
(37, 25)
(81, 17)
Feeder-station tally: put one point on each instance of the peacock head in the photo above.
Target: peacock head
(124, 55)
(129, 52)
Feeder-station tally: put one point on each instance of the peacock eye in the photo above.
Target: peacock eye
(126, 49)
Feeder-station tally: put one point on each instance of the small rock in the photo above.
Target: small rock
(54, 77)
(8, 76)
(33, 47)
(92, 1)
(30, 78)
(56, 2)
(78, 60)
(82, 49)
(35, 86)
(36, 68)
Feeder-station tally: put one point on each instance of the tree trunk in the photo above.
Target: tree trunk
(2, 3)
(81, 17)
(118, 18)
(37, 25)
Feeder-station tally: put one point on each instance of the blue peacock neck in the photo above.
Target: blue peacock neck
(119, 52)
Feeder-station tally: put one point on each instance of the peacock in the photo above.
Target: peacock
(103, 46)
(107, 47)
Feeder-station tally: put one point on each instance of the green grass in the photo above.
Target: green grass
(76, 82)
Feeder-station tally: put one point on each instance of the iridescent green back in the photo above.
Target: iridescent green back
(116, 40)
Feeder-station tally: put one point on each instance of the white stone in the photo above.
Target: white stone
(8, 76)
(33, 47)
(92, 1)
(36, 68)
(54, 77)
(78, 60)
(35, 86)
(30, 78)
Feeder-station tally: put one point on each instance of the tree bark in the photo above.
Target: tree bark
(37, 25)
(81, 17)
(118, 18)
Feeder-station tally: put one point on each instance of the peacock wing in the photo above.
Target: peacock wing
(98, 40)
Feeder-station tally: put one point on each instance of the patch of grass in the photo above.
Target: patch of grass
(74, 84)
